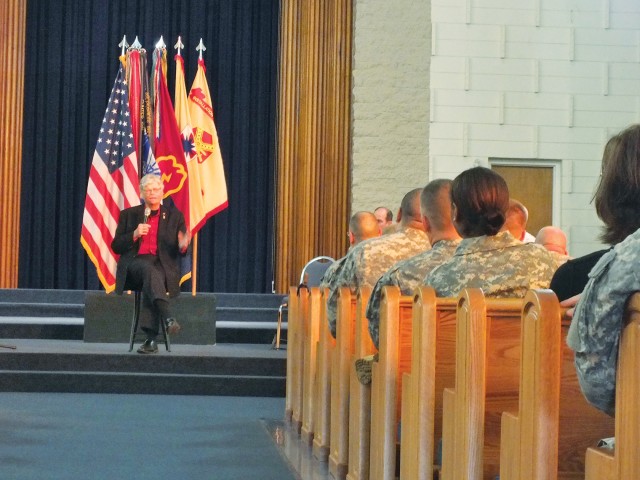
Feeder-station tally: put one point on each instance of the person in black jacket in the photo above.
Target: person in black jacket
(150, 239)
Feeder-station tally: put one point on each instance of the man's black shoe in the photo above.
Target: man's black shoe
(149, 346)
(173, 326)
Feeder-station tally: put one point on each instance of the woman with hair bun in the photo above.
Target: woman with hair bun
(487, 257)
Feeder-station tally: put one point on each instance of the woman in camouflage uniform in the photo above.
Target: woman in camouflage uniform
(487, 257)
(597, 323)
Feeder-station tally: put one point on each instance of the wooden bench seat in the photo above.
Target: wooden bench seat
(293, 357)
(342, 364)
(432, 369)
(311, 333)
(322, 395)
(486, 384)
(296, 348)
(547, 436)
(394, 359)
(360, 402)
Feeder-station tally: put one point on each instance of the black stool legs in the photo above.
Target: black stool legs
(134, 323)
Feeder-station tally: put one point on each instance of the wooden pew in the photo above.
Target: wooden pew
(311, 332)
(296, 347)
(340, 368)
(360, 401)
(554, 424)
(432, 369)
(623, 462)
(326, 345)
(394, 359)
(293, 358)
(486, 384)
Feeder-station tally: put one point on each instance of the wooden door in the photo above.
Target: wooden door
(533, 186)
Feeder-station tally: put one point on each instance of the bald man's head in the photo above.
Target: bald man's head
(553, 239)
(516, 219)
(363, 225)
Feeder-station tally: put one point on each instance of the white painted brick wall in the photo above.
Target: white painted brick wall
(534, 79)
(390, 101)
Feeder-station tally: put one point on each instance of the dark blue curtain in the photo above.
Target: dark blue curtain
(71, 63)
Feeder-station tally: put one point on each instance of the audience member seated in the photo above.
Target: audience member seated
(408, 274)
(487, 257)
(595, 330)
(555, 241)
(571, 278)
(384, 217)
(366, 263)
(362, 226)
(516, 221)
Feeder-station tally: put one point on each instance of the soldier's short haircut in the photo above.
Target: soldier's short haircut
(481, 197)
(364, 225)
(435, 202)
(410, 206)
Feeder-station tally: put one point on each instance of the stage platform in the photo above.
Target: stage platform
(47, 328)
(74, 366)
(60, 314)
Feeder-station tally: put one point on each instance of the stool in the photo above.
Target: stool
(134, 324)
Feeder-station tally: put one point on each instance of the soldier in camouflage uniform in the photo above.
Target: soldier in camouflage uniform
(498, 264)
(366, 262)
(409, 274)
(597, 323)
(486, 258)
(595, 330)
(362, 226)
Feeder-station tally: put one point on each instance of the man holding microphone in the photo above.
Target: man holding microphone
(150, 238)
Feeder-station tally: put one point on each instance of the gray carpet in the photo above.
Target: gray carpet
(101, 436)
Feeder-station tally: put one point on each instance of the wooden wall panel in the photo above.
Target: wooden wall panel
(12, 52)
(313, 197)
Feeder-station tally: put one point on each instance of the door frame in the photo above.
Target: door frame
(556, 180)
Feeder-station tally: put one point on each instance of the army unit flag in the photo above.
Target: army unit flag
(209, 193)
(169, 154)
(187, 134)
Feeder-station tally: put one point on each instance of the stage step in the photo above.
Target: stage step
(78, 367)
(59, 314)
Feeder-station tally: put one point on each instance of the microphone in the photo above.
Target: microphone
(147, 212)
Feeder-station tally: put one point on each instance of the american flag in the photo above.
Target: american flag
(113, 183)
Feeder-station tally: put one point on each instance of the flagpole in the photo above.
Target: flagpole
(194, 264)
(200, 48)
(123, 44)
(194, 242)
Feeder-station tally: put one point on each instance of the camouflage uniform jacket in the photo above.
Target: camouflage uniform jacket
(595, 330)
(500, 265)
(407, 275)
(331, 272)
(367, 261)
(559, 258)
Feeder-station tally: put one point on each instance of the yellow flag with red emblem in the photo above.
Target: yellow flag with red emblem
(207, 194)
(183, 117)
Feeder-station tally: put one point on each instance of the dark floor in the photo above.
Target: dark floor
(98, 436)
